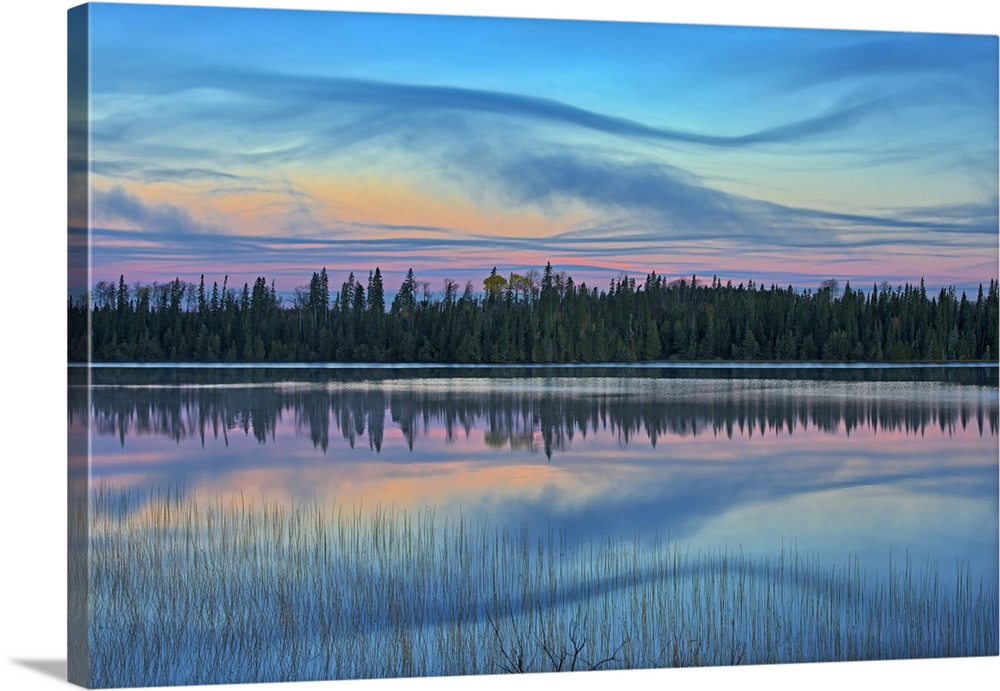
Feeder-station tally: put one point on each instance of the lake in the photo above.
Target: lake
(756, 458)
(859, 466)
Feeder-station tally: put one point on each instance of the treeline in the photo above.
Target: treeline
(541, 317)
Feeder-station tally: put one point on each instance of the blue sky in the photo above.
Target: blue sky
(249, 142)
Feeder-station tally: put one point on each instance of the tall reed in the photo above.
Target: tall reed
(244, 590)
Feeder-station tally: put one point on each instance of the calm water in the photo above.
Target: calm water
(828, 461)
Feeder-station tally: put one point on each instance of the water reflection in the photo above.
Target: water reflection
(837, 464)
(543, 419)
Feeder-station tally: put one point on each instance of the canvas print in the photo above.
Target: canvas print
(412, 345)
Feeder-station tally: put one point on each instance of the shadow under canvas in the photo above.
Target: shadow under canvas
(50, 668)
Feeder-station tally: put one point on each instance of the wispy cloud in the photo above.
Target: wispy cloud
(152, 172)
(664, 201)
(117, 205)
(395, 103)
(681, 146)
(950, 57)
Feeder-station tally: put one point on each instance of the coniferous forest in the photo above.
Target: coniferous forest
(541, 317)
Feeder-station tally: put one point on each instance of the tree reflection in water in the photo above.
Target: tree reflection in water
(540, 414)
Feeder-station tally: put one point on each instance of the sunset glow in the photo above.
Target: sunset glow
(295, 140)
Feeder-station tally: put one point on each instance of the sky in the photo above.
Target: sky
(256, 142)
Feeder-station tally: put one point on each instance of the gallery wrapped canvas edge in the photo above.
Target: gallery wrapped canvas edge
(78, 274)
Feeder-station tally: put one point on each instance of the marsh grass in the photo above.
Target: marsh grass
(240, 590)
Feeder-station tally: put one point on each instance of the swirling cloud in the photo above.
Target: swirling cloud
(680, 145)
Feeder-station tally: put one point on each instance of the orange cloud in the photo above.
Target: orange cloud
(398, 201)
